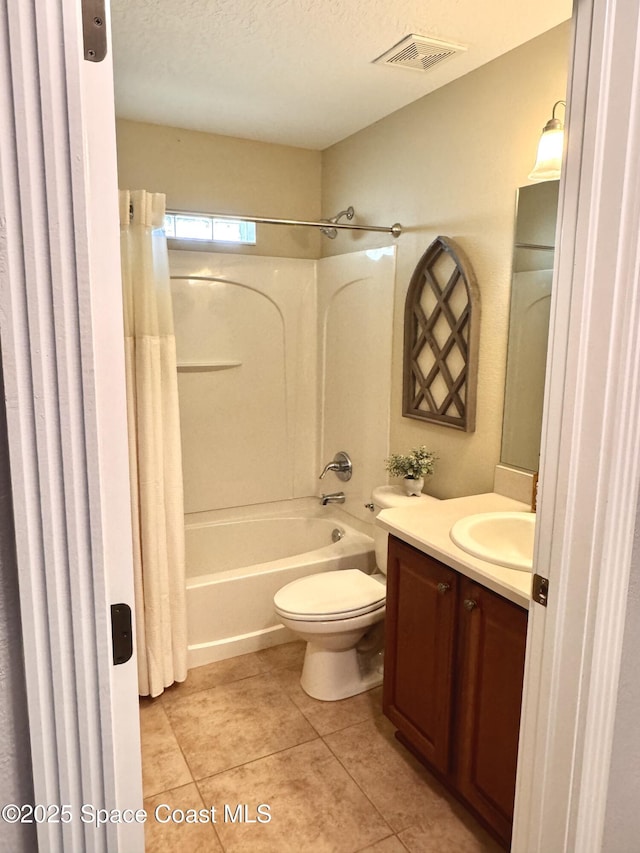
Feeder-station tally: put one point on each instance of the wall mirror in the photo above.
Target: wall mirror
(533, 253)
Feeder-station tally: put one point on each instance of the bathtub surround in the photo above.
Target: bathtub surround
(354, 327)
(246, 377)
(154, 445)
(281, 363)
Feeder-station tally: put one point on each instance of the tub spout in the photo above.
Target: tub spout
(333, 498)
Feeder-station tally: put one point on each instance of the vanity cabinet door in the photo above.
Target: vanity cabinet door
(491, 661)
(420, 651)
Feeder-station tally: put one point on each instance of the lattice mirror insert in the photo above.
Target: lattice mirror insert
(442, 317)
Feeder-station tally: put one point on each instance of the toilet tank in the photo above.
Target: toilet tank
(385, 497)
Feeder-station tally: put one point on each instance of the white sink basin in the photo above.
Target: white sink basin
(503, 538)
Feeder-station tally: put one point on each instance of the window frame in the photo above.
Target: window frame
(244, 225)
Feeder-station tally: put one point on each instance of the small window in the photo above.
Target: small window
(191, 226)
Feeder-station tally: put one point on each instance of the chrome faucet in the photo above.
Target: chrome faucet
(342, 466)
(333, 498)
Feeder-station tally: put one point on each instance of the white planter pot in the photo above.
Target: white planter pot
(413, 486)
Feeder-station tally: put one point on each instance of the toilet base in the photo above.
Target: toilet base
(332, 675)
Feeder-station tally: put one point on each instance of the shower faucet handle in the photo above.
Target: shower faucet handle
(341, 465)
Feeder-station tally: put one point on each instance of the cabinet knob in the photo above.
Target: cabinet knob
(443, 587)
(469, 603)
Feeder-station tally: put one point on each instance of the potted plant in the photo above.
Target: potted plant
(413, 467)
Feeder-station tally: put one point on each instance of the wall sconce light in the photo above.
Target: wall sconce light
(549, 159)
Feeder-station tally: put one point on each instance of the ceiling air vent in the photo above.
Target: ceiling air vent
(419, 53)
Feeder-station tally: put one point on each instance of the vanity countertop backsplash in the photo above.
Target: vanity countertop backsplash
(427, 529)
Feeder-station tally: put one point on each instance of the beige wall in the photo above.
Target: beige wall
(207, 173)
(449, 164)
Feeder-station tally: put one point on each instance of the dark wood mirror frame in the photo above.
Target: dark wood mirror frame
(441, 336)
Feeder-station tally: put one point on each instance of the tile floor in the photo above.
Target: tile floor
(241, 732)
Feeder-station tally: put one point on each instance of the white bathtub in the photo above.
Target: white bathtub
(235, 566)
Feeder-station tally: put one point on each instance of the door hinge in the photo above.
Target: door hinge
(121, 633)
(94, 30)
(540, 591)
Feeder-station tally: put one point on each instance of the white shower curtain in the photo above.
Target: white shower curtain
(154, 444)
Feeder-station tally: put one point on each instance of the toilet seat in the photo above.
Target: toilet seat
(330, 596)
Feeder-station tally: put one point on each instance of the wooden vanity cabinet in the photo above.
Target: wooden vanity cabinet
(492, 637)
(454, 665)
(419, 650)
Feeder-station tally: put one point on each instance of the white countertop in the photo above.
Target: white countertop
(426, 526)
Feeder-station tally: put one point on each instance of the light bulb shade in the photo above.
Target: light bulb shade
(549, 158)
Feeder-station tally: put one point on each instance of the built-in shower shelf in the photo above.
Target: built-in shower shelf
(197, 366)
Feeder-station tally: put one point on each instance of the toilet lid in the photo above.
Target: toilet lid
(330, 595)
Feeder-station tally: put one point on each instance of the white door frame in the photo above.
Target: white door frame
(591, 447)
(63, 361)
(60, 324)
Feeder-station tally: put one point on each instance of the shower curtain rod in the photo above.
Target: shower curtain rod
(326, 226)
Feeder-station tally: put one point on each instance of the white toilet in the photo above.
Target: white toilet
(333, 611)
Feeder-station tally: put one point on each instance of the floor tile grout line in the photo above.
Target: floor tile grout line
(169, 790)
(364, 719)
(397, 835)
(357, 784)
(215, 830)
(166, 702)
(394, 831)
(197, 783)
(393, 835)
(257, 758)
(287, 665)
(315, 736)
(261, 671)
(181, 752)
(179, 745)
(318, 736)
(286, 749)
(299, 710)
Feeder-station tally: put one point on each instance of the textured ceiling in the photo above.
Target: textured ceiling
(298, 72)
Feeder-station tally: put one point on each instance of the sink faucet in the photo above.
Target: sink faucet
(333, 498)
(341, 464)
